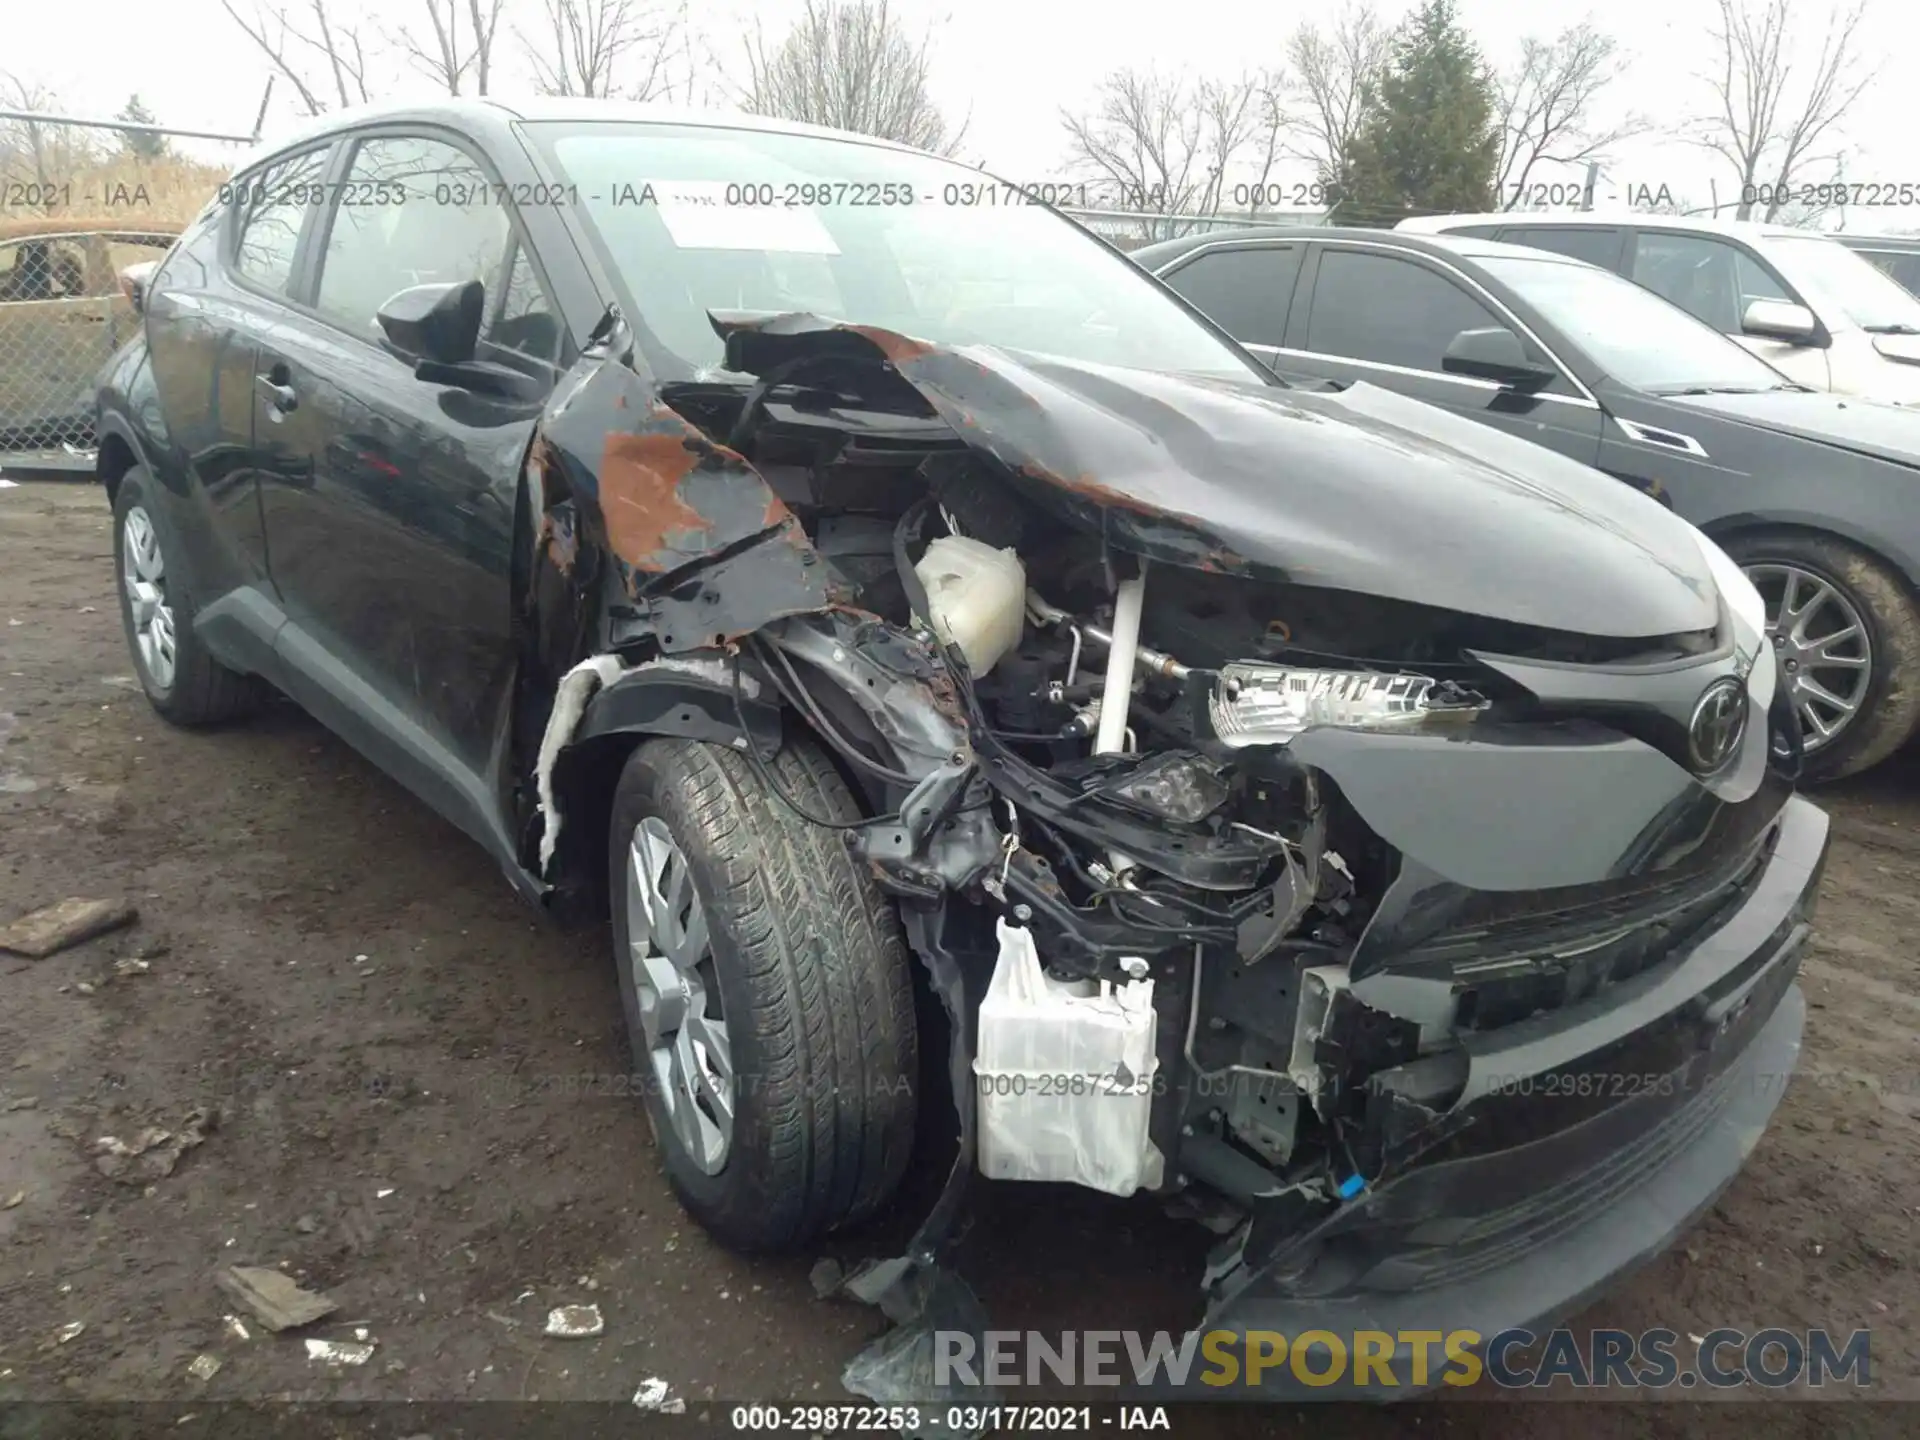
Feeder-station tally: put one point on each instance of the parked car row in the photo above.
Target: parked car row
(1812, 492)
(1898, 255)
(1807, 305)
(1324, 805)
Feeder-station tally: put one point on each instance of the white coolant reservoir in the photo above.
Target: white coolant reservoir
(978, 596)
(1064, 1072)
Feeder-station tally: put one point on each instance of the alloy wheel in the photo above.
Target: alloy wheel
(1820, 641)
(143, 573)
(670, 966)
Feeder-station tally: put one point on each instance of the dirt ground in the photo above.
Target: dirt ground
(403, 1059)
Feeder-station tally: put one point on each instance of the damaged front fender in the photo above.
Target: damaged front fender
(702, 550)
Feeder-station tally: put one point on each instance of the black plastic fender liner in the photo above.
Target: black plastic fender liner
(689, 696)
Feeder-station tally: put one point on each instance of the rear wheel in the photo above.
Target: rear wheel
(182, 681)
(767, 993)
(1846, 633)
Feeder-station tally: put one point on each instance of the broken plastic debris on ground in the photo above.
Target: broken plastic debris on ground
(275, 1300)
(340, 1352)
(652, 1396)
(575, 1322)
(153, 1153)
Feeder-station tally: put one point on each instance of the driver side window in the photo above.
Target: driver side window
(412, 211)
(1708, 278)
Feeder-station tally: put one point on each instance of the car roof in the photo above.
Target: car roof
(459, 113)
(1157, 257)
(1567, 220)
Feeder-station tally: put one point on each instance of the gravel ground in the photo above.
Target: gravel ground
(403, 1060)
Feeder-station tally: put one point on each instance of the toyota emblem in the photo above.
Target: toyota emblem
(1719, 724)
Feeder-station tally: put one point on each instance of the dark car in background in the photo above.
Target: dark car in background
(1816, 495)
(1898, 255)
(1802, 302)
(1375, 829)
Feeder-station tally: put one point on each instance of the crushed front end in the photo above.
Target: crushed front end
(1383, 847)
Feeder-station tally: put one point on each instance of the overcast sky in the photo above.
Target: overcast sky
(1006, 67)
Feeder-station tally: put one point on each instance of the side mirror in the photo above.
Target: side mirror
(133, 283)
(1494, 353)
(439, 324)
(1779, 320)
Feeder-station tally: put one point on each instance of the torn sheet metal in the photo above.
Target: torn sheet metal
(1324, 489)
(696, 536)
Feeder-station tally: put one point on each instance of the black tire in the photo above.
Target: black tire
(201, 690)
(1890, 710)
(813, 975)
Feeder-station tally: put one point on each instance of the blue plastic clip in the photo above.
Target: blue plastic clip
(1351, 1186)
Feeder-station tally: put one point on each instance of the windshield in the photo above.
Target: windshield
(696, 218)
(1864, 293)
(1631, 333)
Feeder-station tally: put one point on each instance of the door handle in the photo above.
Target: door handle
(279, 395)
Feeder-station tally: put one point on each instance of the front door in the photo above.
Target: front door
(389, 500)
(1387, 317)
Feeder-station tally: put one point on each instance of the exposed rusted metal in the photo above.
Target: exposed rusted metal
(650, 525)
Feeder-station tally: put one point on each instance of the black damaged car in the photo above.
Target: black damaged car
(1373, 827)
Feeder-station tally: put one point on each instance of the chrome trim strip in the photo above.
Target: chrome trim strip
(1472, 381)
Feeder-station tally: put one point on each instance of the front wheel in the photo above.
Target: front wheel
(767, 992)
(1846, 633)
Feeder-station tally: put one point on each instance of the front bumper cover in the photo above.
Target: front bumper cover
(1523, 1236)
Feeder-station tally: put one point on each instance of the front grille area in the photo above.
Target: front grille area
(1518, 964)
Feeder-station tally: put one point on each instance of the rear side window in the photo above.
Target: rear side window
(413, 211)
(1596, 247)
(1388, 310)
(1903, 266)
(277, 200)
(1245, 289)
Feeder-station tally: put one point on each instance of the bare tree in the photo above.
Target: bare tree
(1548, 102)
(1169, 146)
(446, 55)
(32, 154)
(848, 64)
(604, 48)
(321, 39)
(1327, 84)
(1777, 98)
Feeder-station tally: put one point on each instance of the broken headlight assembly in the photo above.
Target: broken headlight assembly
(1179, 786)
(1256, 704)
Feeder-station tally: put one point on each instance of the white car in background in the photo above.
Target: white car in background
(1809, 306)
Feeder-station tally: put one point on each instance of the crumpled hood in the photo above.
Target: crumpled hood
(1361, 490)
(1869, 427)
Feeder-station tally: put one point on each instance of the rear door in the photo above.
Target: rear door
(1387, 316)
(221, 287)
(390, 499)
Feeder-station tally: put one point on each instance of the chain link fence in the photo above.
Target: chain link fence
(81, 200)
(62, 316)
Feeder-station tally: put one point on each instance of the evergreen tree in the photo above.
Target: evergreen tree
(1428, 142)
(139, 144)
